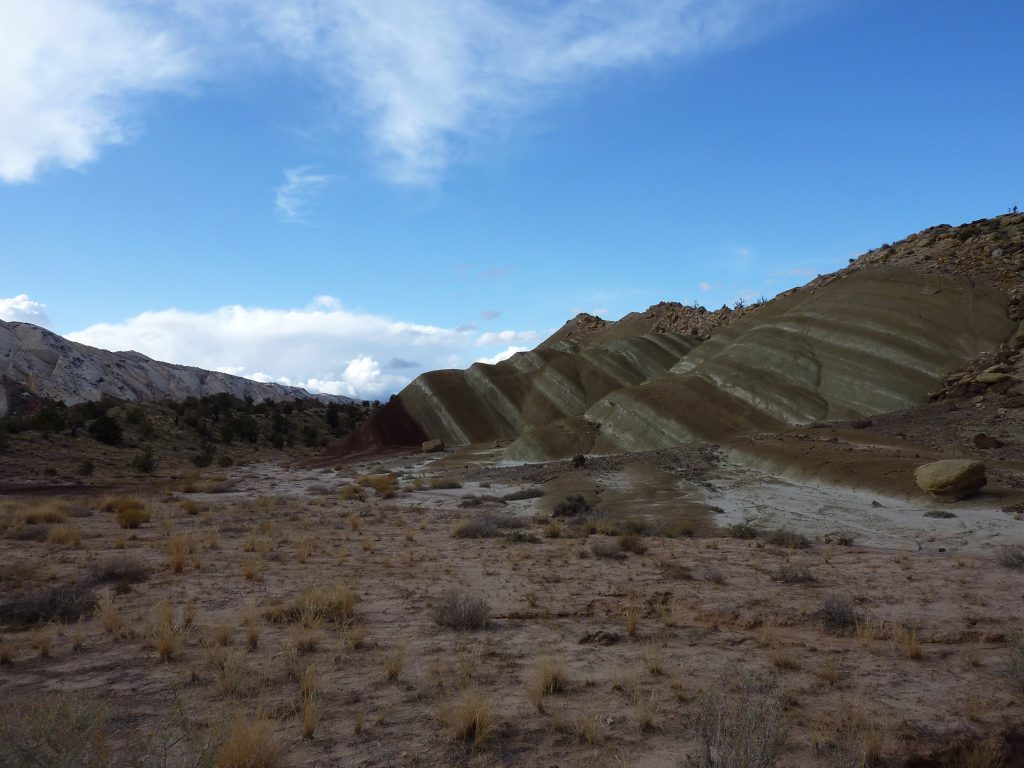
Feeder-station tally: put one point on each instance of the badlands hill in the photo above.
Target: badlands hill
(35, 362)
(878, 336)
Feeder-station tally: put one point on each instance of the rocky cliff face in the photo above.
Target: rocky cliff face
(878, 336)
(36, 361)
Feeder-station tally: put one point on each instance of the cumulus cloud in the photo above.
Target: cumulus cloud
(71, 72)
(425, 76)
(293, 198)
(323, 347)
(22, 309)
(503, 355)
(504, 337)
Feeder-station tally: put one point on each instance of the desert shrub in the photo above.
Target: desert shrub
(459, 610)
(740, 725)
(64, 536)
(473, 500)
(783, 537)
(794, 574)
(481, 527)
(1011, 556)
(443, 483)
(523, 493)
(572, 506)
(351, 492)
(132, 517)
(224, 461)
(120, 569)
(608, 548)
(740, 531)
(630, 542)
(836, 614)
(144, 461)
(63, 731)
(106, 429)
(86, 468)
(636, 525)
(63, 602)
(203, 459)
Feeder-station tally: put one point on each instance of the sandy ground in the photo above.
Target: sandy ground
(925, 671)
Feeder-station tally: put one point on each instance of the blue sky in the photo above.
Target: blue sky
(343, 193)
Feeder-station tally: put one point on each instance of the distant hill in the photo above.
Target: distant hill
(878, 336)
(37, 363)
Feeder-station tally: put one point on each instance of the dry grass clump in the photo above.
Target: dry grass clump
(794, 574)
(905, 640)
(230, 668)
(740, 531)
(192, 507)
(393, 660)
(547, 678)
(783, 537)
(108, 614)
(132, 517)
(178, 547)
(632, 621)
(6, 653)
(523, 493)
(1017, 662)
(252, 630)
(249, 744)
(336, 604)
(740, 725)
(486, 526)
(1011, 556)
(166, 636)
(443, 483)
(470, 717)
(44, 513)
(462, 611)
(65, 536)
(631, 542)
(384, 485)
(351, 493)
(836, 614)
(606, 548)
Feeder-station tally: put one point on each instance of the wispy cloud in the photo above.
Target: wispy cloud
(21, 308)
(323, 347)
(505, 337)
(71, 74)
(293, 198)
(428, 77)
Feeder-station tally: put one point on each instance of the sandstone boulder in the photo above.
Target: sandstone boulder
(433, 446)
(951, 479)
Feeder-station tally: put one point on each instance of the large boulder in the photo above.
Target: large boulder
(433, 446)
(951, 479)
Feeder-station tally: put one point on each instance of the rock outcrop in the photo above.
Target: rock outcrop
(45, 365)
(878, 336)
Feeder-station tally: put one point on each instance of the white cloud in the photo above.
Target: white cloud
(323, 347)
(504, 337)
(69, 72)
(503, 355)
(490, 314)
(22, 309)
(705, 286)
(426, 76)
(293, 198)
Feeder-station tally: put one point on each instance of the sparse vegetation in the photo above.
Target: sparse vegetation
(837, 614)
(740, 724)
(463, 611)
